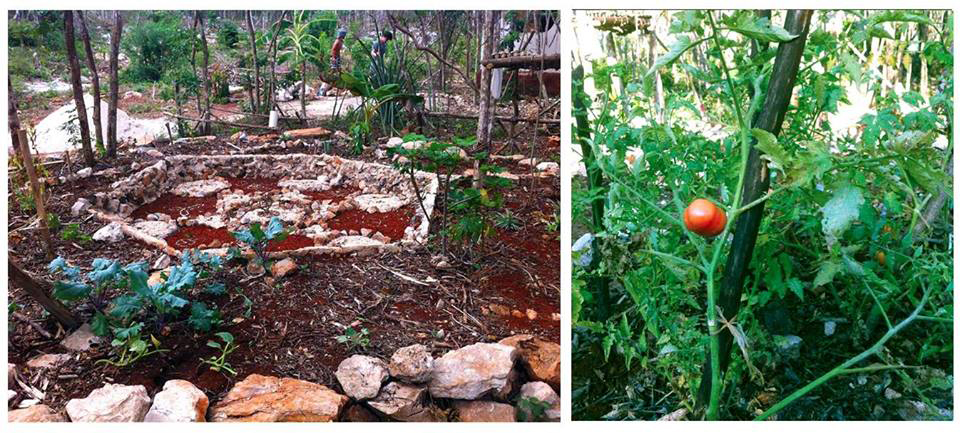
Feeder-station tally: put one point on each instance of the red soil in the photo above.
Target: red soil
(196, 235)
(391, 224)
(174, 205)
(292, 242)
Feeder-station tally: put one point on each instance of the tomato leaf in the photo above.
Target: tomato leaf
(840, 211)
(761, 30)
(680, 46)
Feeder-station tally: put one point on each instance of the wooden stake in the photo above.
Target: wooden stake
(33, 288)
(37, 194)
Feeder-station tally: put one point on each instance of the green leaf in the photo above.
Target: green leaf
(124, 307)
(274, 230)
(138, 283)
(828, 270)
(680, 46)
(100, 325)
(217, 288)
(840, 211)
(104, 270)
(182, 277)
(70, 291)
(926, 177)
(225, 336)
(761, 30)
(796, 286)
(768, 144)
(607, 345)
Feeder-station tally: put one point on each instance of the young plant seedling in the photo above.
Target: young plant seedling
(219, 363)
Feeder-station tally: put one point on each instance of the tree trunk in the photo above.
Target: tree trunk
(13, 118)
(303, 90)
(206, 74)
(924, 79)
(256, 64)
(38, 201)
(485, 121)
(268, 96)
(756, 184)
(35, 290)
(114, 85)
(77, 88)
(94, 80)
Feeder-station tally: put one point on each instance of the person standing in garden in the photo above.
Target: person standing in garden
(336, 61)
(380, 48)
(378, 53)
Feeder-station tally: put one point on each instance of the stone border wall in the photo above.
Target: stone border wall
(148, 184)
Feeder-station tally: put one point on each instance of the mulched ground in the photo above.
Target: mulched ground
(291, 327)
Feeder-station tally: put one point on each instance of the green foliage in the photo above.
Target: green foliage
(124, 317)
(228, 34)
(72, 233)
(259, 239)
(532, 409)
(835, 201)
(507, 220)
(219, 363)
(354, 339)
(155, 46)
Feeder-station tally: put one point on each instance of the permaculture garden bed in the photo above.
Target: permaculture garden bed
(332, 205)
(292, 326)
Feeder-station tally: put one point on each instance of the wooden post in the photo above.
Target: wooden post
(756, 183)
(33, 288)
(37, 194)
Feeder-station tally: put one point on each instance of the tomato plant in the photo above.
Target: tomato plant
(834, 174)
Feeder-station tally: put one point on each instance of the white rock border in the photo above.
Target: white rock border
(148, 184)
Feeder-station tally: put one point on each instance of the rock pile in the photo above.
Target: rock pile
(484, 382)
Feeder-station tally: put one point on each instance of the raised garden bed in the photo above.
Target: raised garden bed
(331, 205)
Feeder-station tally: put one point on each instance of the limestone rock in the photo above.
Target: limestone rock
(399, 401)
(157, 229)
(283, 267)
(543, 393)
(354, 242)
(270, 399)
(472, 371)
(111, 403)
(81, 339)
(201, 188)
(179, 401)
(378, 202)
(109, 233)
(80, 207)
(484, 411)
(38, 413)
(412, 364)
(84, 172)
(550, 168)
(540, 358)
(361, 376)
(49, 360)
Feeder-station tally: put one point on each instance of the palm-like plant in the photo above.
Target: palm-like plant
(299, 46)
